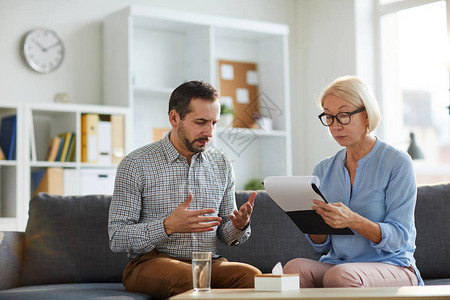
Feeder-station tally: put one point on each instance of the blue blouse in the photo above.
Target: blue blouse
(384, 191)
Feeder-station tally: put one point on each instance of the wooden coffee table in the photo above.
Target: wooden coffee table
(394, 293)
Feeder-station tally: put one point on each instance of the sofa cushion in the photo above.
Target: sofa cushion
(275, 238)
(433, 231)
(72, 291)
(66, 240)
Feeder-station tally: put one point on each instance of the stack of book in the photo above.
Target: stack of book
(62, 147)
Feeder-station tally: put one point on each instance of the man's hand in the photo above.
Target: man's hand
(184, 220)
(241, 218)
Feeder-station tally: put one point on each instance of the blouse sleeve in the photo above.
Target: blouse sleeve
(400, 200)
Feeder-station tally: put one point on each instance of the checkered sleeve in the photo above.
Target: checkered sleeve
(126, 232)
(227, 233)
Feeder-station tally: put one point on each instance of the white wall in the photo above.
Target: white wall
(322, 47)
(327, 41)
(79, 23)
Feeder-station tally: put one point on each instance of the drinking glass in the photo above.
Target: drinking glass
(201, 270)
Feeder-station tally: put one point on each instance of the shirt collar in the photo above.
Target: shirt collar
(172, 153)
(365, 158)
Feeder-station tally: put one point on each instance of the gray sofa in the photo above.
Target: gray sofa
(64, 251)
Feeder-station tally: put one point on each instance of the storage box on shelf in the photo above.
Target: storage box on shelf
(152, 51)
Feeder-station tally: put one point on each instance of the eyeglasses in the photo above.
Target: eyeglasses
(342, 117)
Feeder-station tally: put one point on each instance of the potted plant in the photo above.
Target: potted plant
(226, 112)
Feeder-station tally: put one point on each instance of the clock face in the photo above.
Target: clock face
(43, 50)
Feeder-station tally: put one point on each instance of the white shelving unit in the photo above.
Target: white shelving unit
(37, 123)
(149, 52)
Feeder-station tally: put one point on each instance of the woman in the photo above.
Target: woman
(371, 189)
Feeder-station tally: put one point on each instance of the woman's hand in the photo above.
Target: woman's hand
(337, 215)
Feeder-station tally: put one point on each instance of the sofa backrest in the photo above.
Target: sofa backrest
(433, 231)
(66, 240)
(275, 238)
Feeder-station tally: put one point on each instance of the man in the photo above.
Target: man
(176, 196)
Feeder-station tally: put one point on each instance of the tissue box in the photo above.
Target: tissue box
(277, 283)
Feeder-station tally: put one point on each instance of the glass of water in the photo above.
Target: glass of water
(201, 270)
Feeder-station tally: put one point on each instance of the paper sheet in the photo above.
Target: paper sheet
(292, 193)
(227, 72)
(242, 96)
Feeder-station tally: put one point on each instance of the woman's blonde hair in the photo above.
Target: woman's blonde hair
(357, 92)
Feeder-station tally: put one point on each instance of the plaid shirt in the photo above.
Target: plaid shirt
(151, 182)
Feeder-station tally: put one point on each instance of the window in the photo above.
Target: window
(415, 82)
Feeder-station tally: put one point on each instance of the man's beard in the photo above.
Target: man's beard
(181, 133)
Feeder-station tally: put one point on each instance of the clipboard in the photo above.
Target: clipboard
(294, 194)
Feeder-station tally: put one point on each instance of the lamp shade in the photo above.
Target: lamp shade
(414, 150)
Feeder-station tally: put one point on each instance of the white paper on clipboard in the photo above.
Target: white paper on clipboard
(293, 193)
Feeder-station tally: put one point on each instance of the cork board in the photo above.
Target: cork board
(238, 80)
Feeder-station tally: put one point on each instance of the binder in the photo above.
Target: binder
(8, 133)
(53, 148)
(89, 136)
(104, 142)
(52, 182)
(117, 138)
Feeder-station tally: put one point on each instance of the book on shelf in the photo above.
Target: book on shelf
(2, 155)
(68, 139)
(53, 148)
(89, 138)
(36, 178)
(71, 150)
(51, 181)
(60, 148)
(8, 131)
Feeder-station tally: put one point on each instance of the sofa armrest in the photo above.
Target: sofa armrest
(11, 258)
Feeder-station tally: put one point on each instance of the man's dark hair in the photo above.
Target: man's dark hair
(181, 97)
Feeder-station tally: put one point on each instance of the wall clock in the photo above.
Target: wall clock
(43, 50)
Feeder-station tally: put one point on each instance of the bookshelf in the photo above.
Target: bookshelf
(149, 52)
(37, 123)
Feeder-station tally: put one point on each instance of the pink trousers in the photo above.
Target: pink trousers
(317, 274)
